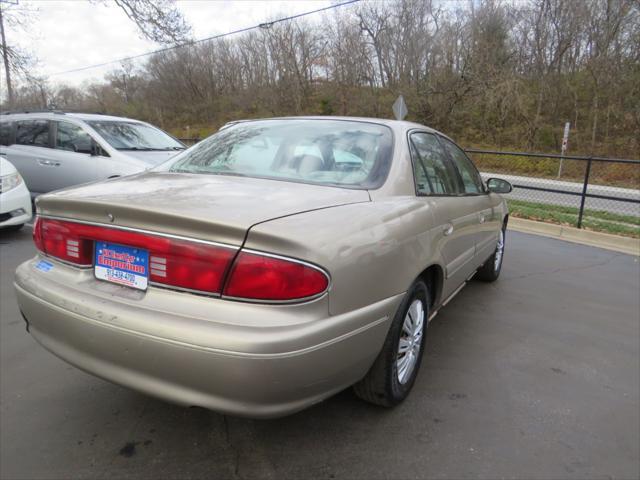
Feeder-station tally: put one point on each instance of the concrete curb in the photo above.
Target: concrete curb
(616, 243)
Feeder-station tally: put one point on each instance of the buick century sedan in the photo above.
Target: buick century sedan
(268, 267)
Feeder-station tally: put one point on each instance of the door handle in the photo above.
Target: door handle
(448, 229)
(48, 163)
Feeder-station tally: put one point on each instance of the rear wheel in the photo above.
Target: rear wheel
(394, 371)
(490, 271)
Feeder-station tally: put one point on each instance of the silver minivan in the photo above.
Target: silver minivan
(54, 149)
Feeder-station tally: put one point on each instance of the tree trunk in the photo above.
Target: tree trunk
(7, 68)
(595, 124)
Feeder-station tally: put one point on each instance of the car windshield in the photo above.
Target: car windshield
(329, 152)
(135, 136)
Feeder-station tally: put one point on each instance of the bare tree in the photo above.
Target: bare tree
(157, 20)
(15, 59)
(490, 72)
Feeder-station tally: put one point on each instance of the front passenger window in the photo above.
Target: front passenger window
(470, 176)
(73, 138)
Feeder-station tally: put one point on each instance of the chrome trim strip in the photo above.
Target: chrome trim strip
(450, 297)
(166, 286)
(294, 301)
(455, 292)
(140, 230)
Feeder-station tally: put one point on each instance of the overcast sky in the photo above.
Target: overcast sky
(75, 33)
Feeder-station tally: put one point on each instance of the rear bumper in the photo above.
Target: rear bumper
(218, 363)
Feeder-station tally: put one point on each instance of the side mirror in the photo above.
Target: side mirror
(498, 185)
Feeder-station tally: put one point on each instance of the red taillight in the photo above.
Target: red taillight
(188, 264)
(63, 241)
(260, 277)
(37, 234)
(172, 261)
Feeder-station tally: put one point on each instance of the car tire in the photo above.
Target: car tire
(490, 271)
(388, 382)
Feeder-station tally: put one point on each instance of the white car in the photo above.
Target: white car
(15, 200)
(54, 149)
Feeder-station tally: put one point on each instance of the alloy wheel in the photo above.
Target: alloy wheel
(410, 341)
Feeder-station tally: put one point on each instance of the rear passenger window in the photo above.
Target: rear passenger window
(433, 172)
(5, 133)
(72, 138)
(32, 132)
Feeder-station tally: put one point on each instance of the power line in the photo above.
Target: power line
(264, 25)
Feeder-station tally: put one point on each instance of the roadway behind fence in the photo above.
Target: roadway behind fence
(585, 191)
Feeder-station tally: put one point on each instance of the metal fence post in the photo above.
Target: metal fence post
(584, 191)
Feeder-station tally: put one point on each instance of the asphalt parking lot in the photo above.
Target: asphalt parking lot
(535, 376)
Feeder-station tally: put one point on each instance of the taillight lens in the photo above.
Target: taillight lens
(63, 241)
(184, 264)
(175, 262)
(260, 277)
(37, 234)
(188, 264)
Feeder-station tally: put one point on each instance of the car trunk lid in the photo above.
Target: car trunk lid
(218, 208)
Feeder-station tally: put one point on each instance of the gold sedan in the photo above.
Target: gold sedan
(268, 267)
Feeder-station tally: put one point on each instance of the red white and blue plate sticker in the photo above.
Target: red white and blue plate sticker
(127, 266)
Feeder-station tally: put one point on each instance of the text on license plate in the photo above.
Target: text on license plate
(121, 264)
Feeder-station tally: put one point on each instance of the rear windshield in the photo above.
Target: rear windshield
(135, 136)
(327, 152)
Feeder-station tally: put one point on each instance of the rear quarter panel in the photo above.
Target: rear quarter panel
(372, 251)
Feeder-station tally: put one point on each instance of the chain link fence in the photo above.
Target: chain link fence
(598, 193)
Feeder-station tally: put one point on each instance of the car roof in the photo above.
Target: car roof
(58, 115)
(394, 124)
(98, 116)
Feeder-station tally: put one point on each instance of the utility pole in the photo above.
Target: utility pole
(5, 56)
(565, 140)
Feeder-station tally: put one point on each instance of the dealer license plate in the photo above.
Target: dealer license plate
(127, 266)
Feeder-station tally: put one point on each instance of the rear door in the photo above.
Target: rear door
(28, 153)
(455, 215)
(72, 158)
(488, 217)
